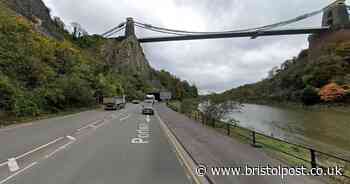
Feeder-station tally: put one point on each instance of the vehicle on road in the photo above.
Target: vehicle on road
(150, 98)
(135, 101)
(147, 107)
(114, 103)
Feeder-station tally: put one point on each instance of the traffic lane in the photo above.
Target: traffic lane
(108, 156)
(19, 140)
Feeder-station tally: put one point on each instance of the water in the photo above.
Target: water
(327, 130)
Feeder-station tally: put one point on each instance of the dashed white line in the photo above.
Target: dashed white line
(148, 119)
(18, 172)
(125, 117)
(59, 149)
(12, 164)
(71, 138)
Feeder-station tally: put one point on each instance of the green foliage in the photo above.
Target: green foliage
(189, 105)
(310, 96)
(298, 78)
(39, 74)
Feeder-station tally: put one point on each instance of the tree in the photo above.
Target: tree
(310, 96)
(332, 92)
(216, 110)
(78, 30)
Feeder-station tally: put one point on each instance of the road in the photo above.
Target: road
(90, 147)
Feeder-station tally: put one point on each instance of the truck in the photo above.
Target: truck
(114, 103)
(165, 96)
(150, 98)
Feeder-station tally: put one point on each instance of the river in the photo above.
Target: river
(325, 129)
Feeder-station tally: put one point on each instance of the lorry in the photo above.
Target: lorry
(150, 97)
(114, 103)
(165, 96)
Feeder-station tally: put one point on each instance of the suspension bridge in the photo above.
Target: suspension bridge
(335, 17)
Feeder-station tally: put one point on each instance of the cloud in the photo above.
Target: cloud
(213, 65)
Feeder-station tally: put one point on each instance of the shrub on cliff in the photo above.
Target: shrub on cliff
(310, 96)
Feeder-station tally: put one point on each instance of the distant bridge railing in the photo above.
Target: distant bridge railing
(306, 154)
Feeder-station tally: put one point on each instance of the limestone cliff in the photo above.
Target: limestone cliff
(126, 56)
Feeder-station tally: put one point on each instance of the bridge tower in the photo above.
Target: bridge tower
(130, 27)
(336, 16)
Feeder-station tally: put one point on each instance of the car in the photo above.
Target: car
(147, 107)
(135, 101)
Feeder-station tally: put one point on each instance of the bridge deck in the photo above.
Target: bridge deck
(252, 34)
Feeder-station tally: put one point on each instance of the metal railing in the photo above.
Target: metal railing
(315, 158)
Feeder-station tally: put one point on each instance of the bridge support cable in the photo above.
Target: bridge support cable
(261, 28)
(114, 30)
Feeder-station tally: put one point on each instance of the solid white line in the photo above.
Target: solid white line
(15, 127)
(125, 117)
(17, 173)
(180, 152)
(40, 147)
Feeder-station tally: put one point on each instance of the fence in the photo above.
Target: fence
(306, 154)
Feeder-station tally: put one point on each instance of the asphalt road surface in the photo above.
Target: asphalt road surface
(94, 147)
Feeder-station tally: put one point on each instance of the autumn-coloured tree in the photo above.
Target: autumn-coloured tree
(332, 92)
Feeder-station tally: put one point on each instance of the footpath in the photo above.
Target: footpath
(213, 149)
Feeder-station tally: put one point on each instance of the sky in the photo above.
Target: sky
(212, 65)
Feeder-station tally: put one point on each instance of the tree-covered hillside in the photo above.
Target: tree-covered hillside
(41, 74)
(304, 79)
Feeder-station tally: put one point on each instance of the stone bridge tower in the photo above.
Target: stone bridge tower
(130, 27)
(335, 16)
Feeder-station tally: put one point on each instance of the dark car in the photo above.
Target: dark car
(135, 101)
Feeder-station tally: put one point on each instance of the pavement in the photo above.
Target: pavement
(91, 147)
(212, 149)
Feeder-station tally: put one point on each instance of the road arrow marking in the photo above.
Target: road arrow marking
(148, 119)
(12, 164)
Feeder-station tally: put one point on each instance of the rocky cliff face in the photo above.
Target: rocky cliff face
(36, 11)
(126, 56)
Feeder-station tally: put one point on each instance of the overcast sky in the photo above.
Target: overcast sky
(213, 65)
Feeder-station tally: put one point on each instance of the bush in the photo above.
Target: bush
(6, 92)
(189, 105)
(24, 105)
(310, 96)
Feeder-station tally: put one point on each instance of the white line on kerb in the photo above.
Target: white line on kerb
(18, 172)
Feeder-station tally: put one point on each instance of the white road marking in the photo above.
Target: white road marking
(40, 147)
(71, 138)
(125, 117)
(15, 127)
(59, 149)
(12, 164)
(148, 119)
(92, 126)
(18, 172)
